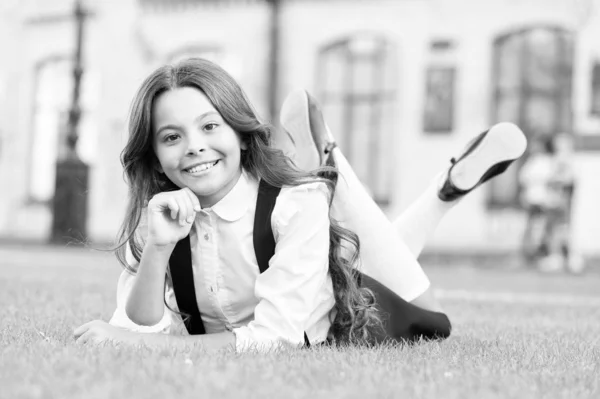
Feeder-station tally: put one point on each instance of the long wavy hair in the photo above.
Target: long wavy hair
(354, 314)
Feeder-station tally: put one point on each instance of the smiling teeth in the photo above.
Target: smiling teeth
(201, 168)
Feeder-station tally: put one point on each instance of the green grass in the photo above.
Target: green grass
(498, 349)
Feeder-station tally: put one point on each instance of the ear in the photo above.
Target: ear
(243, 145)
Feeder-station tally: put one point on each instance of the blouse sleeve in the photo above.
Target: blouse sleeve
(124, 286)
(290, 290)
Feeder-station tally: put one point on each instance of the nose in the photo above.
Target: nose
(196, 143)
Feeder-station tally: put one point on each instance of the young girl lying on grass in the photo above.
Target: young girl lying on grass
(251, 249)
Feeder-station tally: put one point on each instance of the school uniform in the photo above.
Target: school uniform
(293, 296)
(289, 303)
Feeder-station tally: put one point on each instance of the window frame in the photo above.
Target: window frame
(380, 96)
(561, 93)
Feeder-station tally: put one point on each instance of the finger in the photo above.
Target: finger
(195, 201)
(173, 207)
(189, 207)
(183, 212)
(85, 338)
(82, 329)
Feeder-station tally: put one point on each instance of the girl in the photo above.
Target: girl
(255, 253)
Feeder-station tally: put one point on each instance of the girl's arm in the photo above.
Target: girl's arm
(170, 218)
(119, 317)
(99, 332)
(145, 303)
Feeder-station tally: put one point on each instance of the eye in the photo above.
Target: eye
(210, 126)
(171, 137)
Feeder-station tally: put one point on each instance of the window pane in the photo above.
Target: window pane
(565, 82)
(333, 73)
(334, 113)
(565, 114)
(363, 76)
(360, 140)
(439, 110)
(542, 59)
(540, 115)
(384, 168)
(508, 107)
(509, 62)
(595, 102)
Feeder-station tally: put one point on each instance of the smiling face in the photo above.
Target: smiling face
(194, 146)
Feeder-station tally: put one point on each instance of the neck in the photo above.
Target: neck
(211, 200)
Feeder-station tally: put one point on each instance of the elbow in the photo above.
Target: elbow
(141, 318)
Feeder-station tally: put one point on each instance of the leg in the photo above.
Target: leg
(384, 255)
(486, 156)
(553, 261)
(382, 250)
(386, 258)
(417, 223)
(532, 241)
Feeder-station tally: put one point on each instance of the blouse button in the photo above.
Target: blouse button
(206, 237)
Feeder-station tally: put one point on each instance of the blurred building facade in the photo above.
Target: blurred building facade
(404, 84)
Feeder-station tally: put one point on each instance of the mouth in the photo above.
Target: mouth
(196, 169)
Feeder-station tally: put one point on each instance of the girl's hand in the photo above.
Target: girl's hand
(100, 332)
(171, 216)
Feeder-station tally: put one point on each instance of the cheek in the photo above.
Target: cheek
(167, 158)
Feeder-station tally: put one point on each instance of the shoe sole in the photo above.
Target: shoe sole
(295, 119)
(503, 142)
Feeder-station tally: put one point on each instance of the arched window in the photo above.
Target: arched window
(532, 83)
(356, 83)
(52, 100)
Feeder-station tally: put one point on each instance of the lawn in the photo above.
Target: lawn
(516, 334)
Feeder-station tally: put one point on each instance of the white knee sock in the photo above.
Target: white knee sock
(418, 222)
(384, 255)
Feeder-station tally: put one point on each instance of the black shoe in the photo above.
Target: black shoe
(487, 155)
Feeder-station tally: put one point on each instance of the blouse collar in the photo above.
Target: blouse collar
(235, 204)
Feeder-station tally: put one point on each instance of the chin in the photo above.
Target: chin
(202, 190)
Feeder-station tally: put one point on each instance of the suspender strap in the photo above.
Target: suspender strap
(180, 265)
(264, 242)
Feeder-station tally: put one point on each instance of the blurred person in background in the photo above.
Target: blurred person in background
(548, 181)
(536, 198)
(561, 187)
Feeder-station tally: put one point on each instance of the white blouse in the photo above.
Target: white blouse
(294, 295)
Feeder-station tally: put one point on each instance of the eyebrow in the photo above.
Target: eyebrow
(199, 118)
